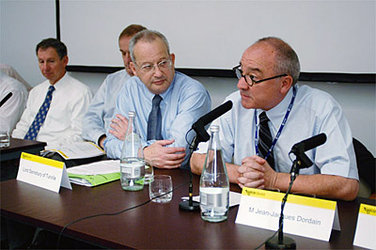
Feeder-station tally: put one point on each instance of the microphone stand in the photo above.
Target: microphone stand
(281, 242)
(190, 205)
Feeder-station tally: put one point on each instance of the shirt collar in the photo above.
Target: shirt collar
(277, 113)
(59, 84)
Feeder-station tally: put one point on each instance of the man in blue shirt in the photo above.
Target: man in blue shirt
(268, 75)
(101, 110)
(183, 101)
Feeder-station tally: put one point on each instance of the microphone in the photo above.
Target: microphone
(6, 98)
(309, 143)
(301, 161)
(299, 148)
(199, 125)
(201, 136)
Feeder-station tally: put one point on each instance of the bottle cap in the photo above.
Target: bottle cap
(131, 114)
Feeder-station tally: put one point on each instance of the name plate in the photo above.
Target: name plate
(366, 227)
(303, 216)
(43, 172)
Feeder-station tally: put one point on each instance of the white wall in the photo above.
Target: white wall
(23, 23)
(330, 36)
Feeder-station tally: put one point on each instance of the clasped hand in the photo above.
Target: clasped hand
(255, 172)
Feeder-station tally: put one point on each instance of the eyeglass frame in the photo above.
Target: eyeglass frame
(239, 75)
(142, 68)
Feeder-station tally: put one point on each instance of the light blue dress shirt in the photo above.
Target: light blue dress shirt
(313, 112)
(101, 110)
(183, 103)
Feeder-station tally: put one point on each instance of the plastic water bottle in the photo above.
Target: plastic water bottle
(132, 163)
(214, 183)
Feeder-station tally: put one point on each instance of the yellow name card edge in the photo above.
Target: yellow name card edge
(42, 160)
(367, 209)
(295, 199)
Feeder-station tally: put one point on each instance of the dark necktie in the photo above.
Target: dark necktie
(265, 139)
(40, 117)
(155, 120)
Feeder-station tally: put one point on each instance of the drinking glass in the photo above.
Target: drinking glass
(160, 190)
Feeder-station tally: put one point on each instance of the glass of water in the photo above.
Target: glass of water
(160, 190)
(4, 139)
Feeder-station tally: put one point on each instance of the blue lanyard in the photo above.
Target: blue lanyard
(280, 127)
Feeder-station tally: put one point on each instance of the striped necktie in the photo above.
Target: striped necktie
(40, 117)
(265, 139)
(155, 120)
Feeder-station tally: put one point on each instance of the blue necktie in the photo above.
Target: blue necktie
(40, 117)
(265, 139)
(155, 120)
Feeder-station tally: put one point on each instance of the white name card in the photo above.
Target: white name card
(43, 172)
(366, 227)
(304, 216)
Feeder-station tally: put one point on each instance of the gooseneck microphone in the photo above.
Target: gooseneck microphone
(201, 136)
(199, 125)
(301, 161)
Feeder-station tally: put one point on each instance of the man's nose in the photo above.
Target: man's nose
(45, 66)
(242, 84)
(157, 71)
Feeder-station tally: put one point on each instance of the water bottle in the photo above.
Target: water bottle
(132, 163)
(214, 183)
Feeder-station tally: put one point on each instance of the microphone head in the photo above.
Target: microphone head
(199, 125)
(309, 143)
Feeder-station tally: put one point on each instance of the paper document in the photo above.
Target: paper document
(94, 174)
(78, 150)
(234, 198)
(99, 167)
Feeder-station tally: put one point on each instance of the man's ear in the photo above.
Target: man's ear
(65, 60)
(133, 68)
(172, 56)
(286, 84)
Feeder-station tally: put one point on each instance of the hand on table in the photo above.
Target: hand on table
(161, 156)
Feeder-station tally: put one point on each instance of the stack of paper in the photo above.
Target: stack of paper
(96, 173)
(78, 150)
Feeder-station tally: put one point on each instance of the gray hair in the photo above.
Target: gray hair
(287, 60)
(146, 36)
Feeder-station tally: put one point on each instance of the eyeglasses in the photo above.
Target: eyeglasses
(249, 79)
(162, 65)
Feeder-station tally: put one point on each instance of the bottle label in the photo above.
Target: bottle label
(133, 170)
(216, 197)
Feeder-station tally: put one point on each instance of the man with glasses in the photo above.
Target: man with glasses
(101, 110)
(271, 113)
(178, 100)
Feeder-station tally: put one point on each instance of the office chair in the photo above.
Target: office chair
(366, 163)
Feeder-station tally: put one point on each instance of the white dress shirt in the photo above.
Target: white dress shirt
(63, 123)
(11, 110)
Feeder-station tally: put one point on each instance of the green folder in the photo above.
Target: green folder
(93, 180)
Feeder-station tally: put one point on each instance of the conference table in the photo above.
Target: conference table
(151, 225)
(9, 156)
(17, 146)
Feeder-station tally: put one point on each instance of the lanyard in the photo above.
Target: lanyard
(280, 127)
